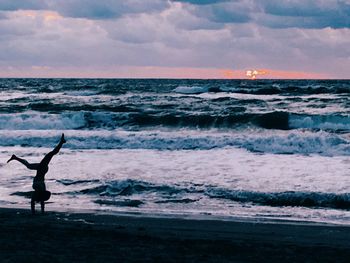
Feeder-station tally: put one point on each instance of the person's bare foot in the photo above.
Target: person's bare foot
(13, 157)
(62, 138)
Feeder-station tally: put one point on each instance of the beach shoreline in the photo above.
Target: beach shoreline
(82, 236)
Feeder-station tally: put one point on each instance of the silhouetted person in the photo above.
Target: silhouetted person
(40, 194)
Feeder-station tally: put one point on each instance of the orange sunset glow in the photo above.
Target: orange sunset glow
(155, 72)
(252, 74)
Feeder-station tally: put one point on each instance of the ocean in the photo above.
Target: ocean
(262, 149)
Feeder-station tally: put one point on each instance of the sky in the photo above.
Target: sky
(175, 38)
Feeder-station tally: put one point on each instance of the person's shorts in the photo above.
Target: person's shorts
(40, 196)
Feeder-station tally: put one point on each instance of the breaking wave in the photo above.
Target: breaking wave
(112, 120)
(196, 89)
(191, 90)
(120, 86)
(191, 193)
(322, 122)
(129, 203)
(128, 188)
(291, 198)
(298, 142)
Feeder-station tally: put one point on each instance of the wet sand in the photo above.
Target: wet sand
(89, 237)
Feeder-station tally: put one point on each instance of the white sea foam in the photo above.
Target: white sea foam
(230, 182)
(63, 121)
(299, 142)
(81, 93)
(29, 121)
(324, 122)
(191, 89)
(7, 95)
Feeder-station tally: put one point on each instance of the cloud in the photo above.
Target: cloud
(172, 28)
(9, 29)
(275, 13)
(306, 14)
(237, 35)
(3, 15)
(201, 2)
(13, 5)
(270, 13)
(106, 9)
(90, 9)
(305, 8)
(182, 18)
(223, 12)
(44, 37)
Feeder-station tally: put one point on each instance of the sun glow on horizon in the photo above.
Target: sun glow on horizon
(252, 74)
(49, 71)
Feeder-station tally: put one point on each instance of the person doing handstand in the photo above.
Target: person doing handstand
(40, 194)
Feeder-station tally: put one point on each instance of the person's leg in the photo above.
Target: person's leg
(31, 166)
(42, 203)
(32, 206)
(46, 160)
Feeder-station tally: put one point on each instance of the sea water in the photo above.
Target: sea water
(221, 148)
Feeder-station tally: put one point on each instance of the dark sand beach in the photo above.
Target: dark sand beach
(89, 237)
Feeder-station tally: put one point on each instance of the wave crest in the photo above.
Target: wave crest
(190, 193)
(236, 118)
(292, 198)
(298, 142)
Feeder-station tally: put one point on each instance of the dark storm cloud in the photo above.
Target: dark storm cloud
(306, 22)
(305, 8)
(223, 12)
(306, 14)
(106, 9)
(275, 13)
(12, 5)
(201, 2)
(271, 13)
(90, 9)
(223, 15)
